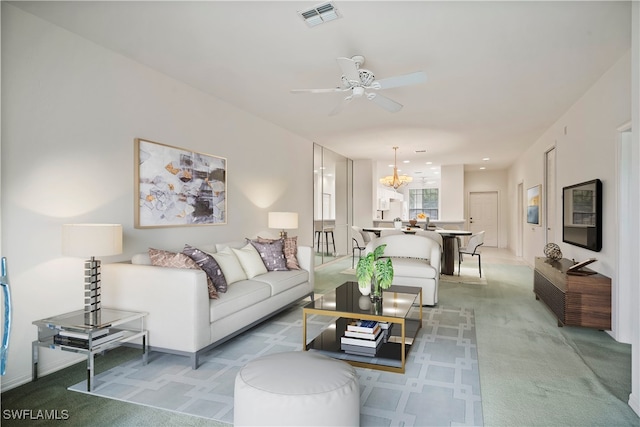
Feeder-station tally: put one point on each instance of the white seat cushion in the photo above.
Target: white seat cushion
(239, 295)
(412, 267)
(280, 281)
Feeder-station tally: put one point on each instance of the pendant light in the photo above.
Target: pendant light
(395, 181)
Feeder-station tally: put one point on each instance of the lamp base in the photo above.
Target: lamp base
(283, 234)
(92, 305)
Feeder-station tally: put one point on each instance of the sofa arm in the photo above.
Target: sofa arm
(176, 300)
(306, 260)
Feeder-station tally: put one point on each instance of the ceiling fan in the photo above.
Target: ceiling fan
(359, 82)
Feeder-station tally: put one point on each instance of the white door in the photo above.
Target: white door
(550, 196)
(483, 216)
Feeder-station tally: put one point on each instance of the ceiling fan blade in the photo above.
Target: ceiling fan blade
(404, 80)
(384, 102)
(333, 90)
(349, 69)
(341, 105)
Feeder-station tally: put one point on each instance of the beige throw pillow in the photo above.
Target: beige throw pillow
(230, 265)
(250, 260)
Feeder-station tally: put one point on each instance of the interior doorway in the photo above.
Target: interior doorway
(520, 219)
(550, 195)
(483, 215)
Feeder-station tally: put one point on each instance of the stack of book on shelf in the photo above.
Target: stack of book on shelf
(363, 338)
(81, 339)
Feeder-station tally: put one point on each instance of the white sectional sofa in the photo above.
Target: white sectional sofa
(416, 262)
(183, 319)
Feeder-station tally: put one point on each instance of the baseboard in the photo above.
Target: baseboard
(24, 379)
(634, 402)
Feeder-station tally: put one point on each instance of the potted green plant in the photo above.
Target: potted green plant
(374, 273)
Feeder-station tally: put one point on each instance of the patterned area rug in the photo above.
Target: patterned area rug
(441, 385)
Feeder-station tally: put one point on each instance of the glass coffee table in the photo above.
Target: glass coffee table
(400, 309)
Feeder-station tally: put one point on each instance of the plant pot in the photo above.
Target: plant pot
(364, 290)
(397, 225)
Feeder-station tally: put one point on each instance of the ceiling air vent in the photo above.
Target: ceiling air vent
(319, 14)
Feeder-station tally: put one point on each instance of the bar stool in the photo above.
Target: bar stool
(327, 231)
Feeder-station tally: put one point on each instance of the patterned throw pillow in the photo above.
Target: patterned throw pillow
(162, 258)
(209, 265)
(272, 254)
(290, 250)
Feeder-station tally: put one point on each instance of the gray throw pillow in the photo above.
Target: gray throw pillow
(272, 254)
(209, 265)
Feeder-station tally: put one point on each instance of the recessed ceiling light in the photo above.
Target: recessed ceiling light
(406, 161)
(486, 159)
(416, 172)
(482, 168)
(429, 163)
(434, 168)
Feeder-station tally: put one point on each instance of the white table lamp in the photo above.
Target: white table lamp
(91, 240)
(283, 221)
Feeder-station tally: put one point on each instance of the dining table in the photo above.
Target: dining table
(449, 244)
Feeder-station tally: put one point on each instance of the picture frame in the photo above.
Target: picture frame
(534, 197)
(177, 187)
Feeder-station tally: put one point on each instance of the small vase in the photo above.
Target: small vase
(376, 291)
(397, 225)
(364, 290)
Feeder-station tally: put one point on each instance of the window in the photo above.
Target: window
(423, 200)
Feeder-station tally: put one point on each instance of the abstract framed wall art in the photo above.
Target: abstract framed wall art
(178, 187)
(533, 204)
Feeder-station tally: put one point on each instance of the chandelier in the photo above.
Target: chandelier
(395, 181)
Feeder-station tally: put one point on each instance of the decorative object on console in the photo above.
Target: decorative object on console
(178, 187)
(283, 221)
(413, 222)
(82, 240)
(533, 204)
(374, 274)
(394, 180)
(552, 251)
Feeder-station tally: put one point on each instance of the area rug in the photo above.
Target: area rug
(441, 385)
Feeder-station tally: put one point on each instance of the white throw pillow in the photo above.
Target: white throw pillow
(230, 265)
(250, 260)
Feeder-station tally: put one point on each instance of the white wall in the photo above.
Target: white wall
(71, 112)
(586, 151)
(451, 193)
(586, 138)
(485, 181)
(364, 193)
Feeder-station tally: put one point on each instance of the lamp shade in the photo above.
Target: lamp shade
(85, 240)
(283, 220)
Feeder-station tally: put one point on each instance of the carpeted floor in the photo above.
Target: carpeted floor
(442, 367)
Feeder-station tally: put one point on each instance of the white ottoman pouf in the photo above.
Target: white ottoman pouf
(298, 388)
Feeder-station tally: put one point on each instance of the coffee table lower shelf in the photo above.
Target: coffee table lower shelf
(388, 358)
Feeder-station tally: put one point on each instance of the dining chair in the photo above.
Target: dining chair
(473, 249)
(357, 243)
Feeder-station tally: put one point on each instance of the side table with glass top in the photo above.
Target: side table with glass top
(68, 332)
(400, 305)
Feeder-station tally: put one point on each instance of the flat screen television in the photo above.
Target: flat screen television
(582, 215)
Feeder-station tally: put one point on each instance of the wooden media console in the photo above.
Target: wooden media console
(576, 300)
